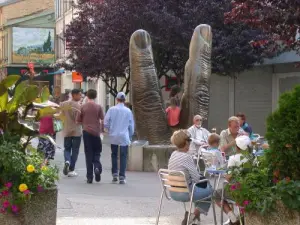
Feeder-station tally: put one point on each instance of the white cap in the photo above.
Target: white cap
(243, 142)
(121, 95)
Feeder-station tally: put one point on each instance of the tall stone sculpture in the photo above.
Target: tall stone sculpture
(195, 99)
(148, 107)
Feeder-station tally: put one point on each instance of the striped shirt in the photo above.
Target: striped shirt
(182, 161)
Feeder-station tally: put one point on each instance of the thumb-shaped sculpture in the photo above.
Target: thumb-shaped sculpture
(195, 99)
(148, 107)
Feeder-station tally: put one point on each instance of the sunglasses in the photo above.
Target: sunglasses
(197, 120)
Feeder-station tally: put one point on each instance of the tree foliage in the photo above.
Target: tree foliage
(98, 38)
(280, 19)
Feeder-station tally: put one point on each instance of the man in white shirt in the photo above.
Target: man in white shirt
(198, 134)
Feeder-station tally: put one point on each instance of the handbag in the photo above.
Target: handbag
(57, 125)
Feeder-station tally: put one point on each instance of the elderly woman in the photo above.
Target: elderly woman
(182, 161)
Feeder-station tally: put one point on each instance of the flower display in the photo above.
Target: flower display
(14, 208)
(5, 193)
(246, 202)
(6, 204)
(40, 188)
(8, 185)
(44, 168)
(26, 192)
(30, 168)
(23, 187)
(21, 172)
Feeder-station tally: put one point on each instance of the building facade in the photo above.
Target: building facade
(27, 38)
(64, 13)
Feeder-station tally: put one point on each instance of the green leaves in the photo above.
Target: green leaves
(10, 80)
(47, 111)
(45, 94)
(4, 85)
(3, 101)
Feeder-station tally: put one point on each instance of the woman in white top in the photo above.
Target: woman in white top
(180, 160)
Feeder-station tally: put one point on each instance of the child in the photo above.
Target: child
(173, 113)
(214, 142)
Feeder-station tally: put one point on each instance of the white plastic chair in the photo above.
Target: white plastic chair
(175, 181)
(209, 158)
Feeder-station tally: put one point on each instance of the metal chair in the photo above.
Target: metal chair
(175, 181)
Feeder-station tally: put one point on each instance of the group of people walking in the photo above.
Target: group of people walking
(88, 120)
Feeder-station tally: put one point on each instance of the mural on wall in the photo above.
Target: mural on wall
(33, 45)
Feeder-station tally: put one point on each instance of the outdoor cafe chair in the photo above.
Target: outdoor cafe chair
(175, 181)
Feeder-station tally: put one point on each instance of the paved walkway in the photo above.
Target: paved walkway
(105, 203)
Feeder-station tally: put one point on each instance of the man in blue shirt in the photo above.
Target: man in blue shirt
(119, 124)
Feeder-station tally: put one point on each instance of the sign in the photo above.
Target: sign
(77, 77)
(33, 45)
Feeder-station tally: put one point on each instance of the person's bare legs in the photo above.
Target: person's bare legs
(229, 211)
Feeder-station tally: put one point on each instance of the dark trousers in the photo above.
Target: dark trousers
(92, 150)
(72, 145)
(123, 160)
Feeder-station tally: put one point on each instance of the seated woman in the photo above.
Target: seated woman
(180, 160)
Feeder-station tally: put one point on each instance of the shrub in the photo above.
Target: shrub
(283, 134)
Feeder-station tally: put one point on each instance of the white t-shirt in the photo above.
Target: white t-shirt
(235, 160)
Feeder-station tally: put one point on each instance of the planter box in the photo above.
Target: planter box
(283, 216)
(39, 210)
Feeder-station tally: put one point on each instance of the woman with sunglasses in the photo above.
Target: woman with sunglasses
(180, 160)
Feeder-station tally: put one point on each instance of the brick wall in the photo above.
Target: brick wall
(24, 8)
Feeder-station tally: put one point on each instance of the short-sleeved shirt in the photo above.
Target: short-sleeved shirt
(70, 109)
(226, 138)
(173, 115)
(181, 161)
(90, 116)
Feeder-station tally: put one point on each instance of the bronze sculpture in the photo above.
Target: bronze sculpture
(148, 106)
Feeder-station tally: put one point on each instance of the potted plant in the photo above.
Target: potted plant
(267, 188)
(28, 193)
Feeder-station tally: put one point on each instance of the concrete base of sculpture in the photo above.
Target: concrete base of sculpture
(39, 210)
(135, 156)
(156, 157)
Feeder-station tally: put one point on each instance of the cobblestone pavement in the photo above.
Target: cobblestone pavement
(105, 203)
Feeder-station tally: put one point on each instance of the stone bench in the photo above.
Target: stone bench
(148, 158)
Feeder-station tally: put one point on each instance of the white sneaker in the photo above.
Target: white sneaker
(72, 174)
